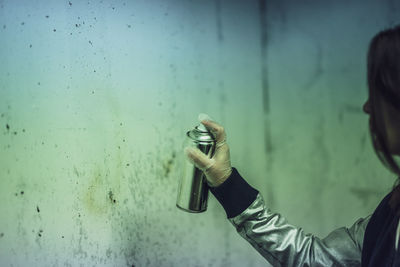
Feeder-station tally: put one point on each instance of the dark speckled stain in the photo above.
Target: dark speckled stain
(7, 127)
(1, 235)
(111, 197)
(37, 209)
(76, 171)
(168, 164)
(40, 233)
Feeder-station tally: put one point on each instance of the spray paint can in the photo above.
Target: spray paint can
(193, 188)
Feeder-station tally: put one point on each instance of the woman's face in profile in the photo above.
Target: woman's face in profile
(391, 118)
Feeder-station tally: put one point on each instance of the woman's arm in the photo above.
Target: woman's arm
(281, 243)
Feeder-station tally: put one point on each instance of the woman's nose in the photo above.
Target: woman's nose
(367, 107)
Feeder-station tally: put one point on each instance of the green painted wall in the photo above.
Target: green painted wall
(96, 97)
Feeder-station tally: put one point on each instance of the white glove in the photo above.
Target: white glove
(218, 168)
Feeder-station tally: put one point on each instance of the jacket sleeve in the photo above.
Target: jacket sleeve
(279, 242)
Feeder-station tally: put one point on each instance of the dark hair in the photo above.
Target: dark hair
(384, 84)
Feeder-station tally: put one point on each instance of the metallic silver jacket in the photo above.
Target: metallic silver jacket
(283, 244)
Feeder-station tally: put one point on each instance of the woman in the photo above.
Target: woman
(370, 241)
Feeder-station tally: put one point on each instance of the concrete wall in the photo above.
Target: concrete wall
(96, 96)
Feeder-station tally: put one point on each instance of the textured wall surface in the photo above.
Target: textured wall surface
(96, 97)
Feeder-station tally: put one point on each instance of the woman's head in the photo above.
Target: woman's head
(383, 104)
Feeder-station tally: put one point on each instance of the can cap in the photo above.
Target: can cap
(200, 136)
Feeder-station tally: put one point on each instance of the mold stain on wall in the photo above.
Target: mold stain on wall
(168, 164)
(95, 197)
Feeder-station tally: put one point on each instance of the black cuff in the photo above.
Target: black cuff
(235, 194)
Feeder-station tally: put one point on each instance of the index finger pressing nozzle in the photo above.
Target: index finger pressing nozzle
(202, 117)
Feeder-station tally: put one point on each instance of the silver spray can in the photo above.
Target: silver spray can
(193, 188)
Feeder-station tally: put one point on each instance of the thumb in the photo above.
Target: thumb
(198, 158)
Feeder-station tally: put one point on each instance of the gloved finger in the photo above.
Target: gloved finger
(198, 158)
(216, 129)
